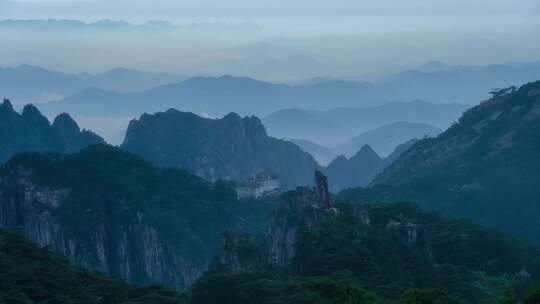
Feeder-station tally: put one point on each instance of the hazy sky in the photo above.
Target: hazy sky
(293, 39)
(245, 8)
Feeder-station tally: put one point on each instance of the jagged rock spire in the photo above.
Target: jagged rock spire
(7, 104)
(322, 189)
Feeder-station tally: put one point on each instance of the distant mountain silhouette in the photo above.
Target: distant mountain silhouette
(334, 127)
(386, 138)
(32, 132)
(359, 170)
(220, 95)
(231, 147)
(217, 96)
(26, 83)
(104, 24)
(440, 82)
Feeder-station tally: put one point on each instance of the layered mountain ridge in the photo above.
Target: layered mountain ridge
(337, 126)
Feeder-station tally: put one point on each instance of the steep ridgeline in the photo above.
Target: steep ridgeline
(389, 248)
(30, 274)
(231, 147)
(362, 168)
(112, 212)
(485, 167)
(32, 132)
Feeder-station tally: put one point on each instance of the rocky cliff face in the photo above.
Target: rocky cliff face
(231, 147)
(30, 131)
(160, 238)
(137, 252)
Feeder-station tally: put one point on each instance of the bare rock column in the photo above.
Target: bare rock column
(322, 189)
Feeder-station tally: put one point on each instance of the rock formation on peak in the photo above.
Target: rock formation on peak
(322, 189)
(32, 132)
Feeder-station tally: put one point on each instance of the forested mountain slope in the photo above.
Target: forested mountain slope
(485, 167)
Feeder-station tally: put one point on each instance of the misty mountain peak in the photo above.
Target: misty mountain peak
(31, 114)
(31, 131)
(65, 124)
(7, 105)
(367, 151)
(232, 116)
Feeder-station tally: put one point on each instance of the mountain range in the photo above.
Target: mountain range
(362, 167)
(236, 148)
(447, 84)
(484, 167)
(386, 138)
(31, 131)
(228, 148)
(382, 140)
(335, 127)
(441, 82)
(58, 24)
(109, 210)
